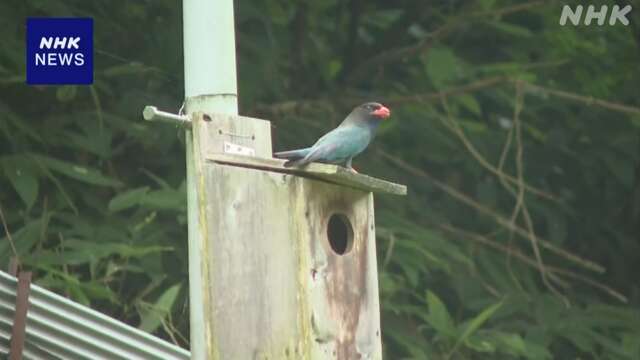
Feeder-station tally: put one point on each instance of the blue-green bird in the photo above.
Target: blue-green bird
(342, 144)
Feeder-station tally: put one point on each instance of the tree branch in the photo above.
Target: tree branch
(437, 96)
(587, 100)
(457, 130)
(501, 220)
(552, 271)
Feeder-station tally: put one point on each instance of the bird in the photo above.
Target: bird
(342, 144)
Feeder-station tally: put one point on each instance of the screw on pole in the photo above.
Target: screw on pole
(151, 113)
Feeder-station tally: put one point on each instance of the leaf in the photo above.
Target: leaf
(410, 343)
(417, 249)
(161, 182)
(165, 199)
(536, 351)
(78, 252)
(75, 290)
(93, 139)
(334, 68)
(475, 324)
(510, 29)
(82, 173)
(535, 132)
(473, 126)
(46, 257)
(439, 317)
(24, 239)
(611, 344)
(512, 343)
(470, 103)
(631, 345)
(23, 181)
(442, 66)
(69, 283)
(152, 318)
(99, 291)
(580, 338)
(127, 199)
(481, 345)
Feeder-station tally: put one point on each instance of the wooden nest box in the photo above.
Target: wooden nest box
(287, 256)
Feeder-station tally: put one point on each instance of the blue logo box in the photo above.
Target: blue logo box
(59, 51)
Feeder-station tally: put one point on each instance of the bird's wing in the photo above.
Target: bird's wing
(341, 134)
(322, 152)
(339, 145)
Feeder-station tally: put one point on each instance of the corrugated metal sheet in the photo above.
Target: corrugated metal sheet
(58, 328)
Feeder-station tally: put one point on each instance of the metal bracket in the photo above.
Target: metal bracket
(151, 113)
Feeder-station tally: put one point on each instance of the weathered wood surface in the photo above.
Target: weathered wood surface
(272, 286)
(327, 172)
(209, 135)
(343, 289)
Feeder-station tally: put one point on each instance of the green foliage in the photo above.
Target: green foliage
(505, 124)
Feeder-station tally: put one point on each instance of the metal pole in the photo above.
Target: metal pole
(210, 56)
(210, 86)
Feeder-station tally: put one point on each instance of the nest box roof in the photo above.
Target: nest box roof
(325, 172)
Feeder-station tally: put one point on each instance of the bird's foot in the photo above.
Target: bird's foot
(352, 170)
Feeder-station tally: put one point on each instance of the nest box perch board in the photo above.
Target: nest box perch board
(287, 256)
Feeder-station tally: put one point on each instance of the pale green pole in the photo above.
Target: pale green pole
(209, 86)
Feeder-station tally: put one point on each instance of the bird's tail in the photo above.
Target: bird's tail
(293, 157)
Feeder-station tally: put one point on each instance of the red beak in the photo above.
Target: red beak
(382, 112)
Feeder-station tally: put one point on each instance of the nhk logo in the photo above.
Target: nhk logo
(59, 51)
(53, 58)
(617, 14)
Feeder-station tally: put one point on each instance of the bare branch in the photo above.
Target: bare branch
(520, 205)
(501, 220)
(437, 96)
(587, 100)
(519, 103)
(553, 272)
(457, 130)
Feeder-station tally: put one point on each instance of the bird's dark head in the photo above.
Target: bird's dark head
(368, 114)
(374, 110)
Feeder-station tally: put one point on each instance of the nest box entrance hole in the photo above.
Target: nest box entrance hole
(340, 233)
